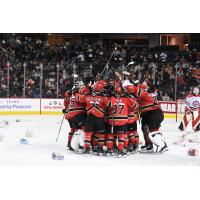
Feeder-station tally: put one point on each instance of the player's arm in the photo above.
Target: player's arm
(80, 98)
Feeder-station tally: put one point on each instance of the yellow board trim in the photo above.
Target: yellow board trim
(52, 113)
(168, 115)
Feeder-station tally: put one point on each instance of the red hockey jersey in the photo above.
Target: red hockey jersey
(95, 105)
(120, 107)
(133, 113)
(72, 106)
(145, 99)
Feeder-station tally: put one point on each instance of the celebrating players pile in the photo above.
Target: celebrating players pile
(103, 118)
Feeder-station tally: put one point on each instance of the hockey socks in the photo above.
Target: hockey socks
(87, 141)
(133, 137)
(109, 141)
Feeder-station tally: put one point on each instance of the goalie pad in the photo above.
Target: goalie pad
(156, 138)
(78, 140)
(196, 120)
(184, 123)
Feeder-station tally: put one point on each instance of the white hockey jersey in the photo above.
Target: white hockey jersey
(192, 102)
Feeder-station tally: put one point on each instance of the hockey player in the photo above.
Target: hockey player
(152, 117)
(75, 111)
(145, 130)
(132, 134)
(96, 103)
(192, 111)
(119, 108)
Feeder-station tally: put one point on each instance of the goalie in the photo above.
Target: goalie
(192, 111)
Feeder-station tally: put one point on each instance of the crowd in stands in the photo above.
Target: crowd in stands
(32, 56)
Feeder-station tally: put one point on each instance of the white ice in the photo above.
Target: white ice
(43, 144)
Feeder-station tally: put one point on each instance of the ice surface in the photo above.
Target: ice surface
(43, 144)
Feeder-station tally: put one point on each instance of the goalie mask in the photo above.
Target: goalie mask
(195, 91)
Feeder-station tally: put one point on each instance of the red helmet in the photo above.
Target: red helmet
(98, 87)
(143, 86)
(103, 82)
(131, 89)
(118, 90)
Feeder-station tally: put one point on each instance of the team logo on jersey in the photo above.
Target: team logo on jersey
(196, 104)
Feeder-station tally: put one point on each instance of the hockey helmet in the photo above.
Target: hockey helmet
(143, 86)
(118, 90)
(195, 91)
(98, 87)
(103, 82)
(131, 89)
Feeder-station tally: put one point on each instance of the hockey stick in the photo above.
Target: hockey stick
(60, 128)
(106, 66)
(112, 126)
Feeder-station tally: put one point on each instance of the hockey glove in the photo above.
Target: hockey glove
(64, 111)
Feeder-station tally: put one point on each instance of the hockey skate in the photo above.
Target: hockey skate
(121, 154)
(133, 148)
(83, 150)
(163, 149)
(147, 148)
(95, 150)
(69, 147)
(181, 127)
(101, 152)
(109, 153)
(197, 128)
(86, 151)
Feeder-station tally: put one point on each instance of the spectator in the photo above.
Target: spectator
(27, 53)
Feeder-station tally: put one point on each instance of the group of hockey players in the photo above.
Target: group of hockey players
(106, 114)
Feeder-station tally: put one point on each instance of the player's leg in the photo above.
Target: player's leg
(121, 132)
(186, 119)
(95, 142)
(73, 129)
(133, 137)
(101, 129)
(110, 142)
(148, 146)
(78, 137)
(89, 129)
(154, 122)
(196, 121)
